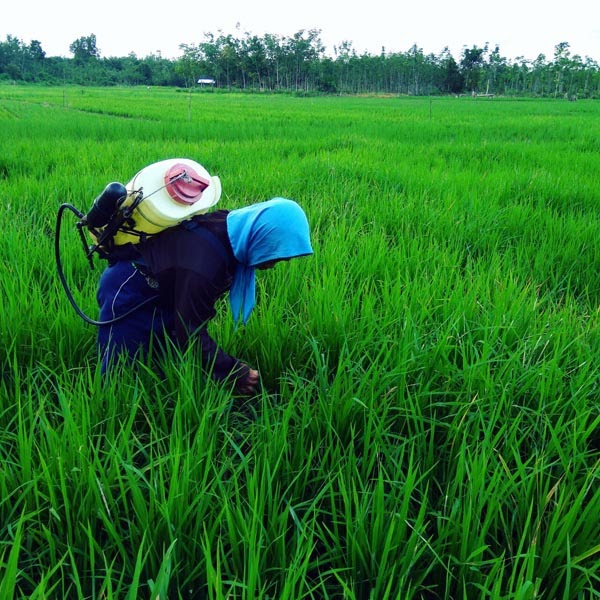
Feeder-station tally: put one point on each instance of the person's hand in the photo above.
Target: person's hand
(248, 384)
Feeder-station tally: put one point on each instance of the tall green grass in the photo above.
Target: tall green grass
(428, 423)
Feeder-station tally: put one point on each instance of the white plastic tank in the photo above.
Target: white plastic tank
(173, 191)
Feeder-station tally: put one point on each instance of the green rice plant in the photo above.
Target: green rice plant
(428, 420)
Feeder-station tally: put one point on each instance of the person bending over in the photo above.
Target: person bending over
(182, 271)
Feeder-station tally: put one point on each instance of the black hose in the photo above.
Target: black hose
(63, 280)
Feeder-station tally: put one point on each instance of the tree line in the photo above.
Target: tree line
(299, 63)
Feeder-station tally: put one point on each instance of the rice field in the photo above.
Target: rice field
(428, 425)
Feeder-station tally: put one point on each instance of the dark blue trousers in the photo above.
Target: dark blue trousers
(123, 287)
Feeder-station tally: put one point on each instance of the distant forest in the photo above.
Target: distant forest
(299, 64)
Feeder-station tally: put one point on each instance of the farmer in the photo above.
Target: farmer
(184, 270)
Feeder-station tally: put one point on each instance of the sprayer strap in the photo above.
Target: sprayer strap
(208, 236)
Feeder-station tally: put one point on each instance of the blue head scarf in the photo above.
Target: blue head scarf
(273, 230)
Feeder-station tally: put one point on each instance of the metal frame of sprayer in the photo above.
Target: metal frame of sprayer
(104, 220)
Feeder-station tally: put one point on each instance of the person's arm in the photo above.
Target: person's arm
(194, 306)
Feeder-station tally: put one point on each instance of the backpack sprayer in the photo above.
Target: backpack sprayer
(178, 189)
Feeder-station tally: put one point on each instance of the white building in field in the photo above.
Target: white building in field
(206, 81)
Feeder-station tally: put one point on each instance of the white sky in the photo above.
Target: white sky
(520, 27)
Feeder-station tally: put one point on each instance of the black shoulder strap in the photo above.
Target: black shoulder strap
(209, 236)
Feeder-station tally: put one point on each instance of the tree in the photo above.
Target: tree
(452, 80)
(343, 53)
(274, 58)
(299, 63)
(471, 65)
(84, 49)
(11, 57)
(495, 71)
(190, 64)
(562, 65)
(253, 56)
(301, 51)
(35, 51)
